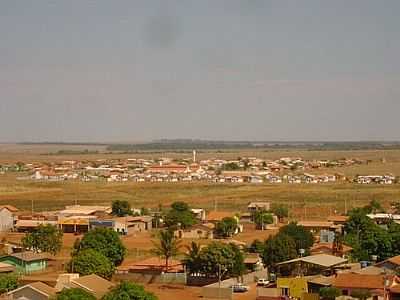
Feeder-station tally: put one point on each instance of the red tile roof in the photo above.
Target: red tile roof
(9, 207)
(154, 264)
(358, 281)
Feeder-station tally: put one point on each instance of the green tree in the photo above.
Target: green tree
(106, 241)
(373, 207)
(90, 261)
(192, 260)
(74, 294)
(238, 267)
(45, 238)
(8, 283)
(394, 231)
(358, 222)
(219, 260)
(361, 294)
(278, 248)
(166, 246)
(329, 293)
(280, 210)
(302, 236)
(180, 215)
(256, 246)
(262, 218)
(121, 208)
(129, 291)
(226, 227)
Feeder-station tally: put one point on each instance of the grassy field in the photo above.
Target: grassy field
(316, 200)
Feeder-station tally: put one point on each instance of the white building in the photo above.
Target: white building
(7, 217)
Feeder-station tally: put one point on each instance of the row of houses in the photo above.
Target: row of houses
(73, 219)
(307, 275)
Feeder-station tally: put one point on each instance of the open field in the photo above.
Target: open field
(319, 199)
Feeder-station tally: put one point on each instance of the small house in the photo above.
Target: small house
(32, 291)
(7, 217)
(198, 231)
(26, 262)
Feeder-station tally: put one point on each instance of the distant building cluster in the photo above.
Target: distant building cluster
(241, 170)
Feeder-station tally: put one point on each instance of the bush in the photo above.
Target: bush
(106, 241)
(90, 261)
(74, 294)
(129, 291)
(329, 293)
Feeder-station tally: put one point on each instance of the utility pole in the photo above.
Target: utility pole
(32, 206)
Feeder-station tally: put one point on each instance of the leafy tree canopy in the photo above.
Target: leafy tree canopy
(226, 227)
(256, 246)
(280, 210)
(74, 294)
(301, 236)
(8, 283)
(180, 214)
(373, 207)
(262, 218)
(167, 245)
(90, 261)
(106, 241)
(219, 257)
(45, 238)
(279, 248)
(361, 294)
(193, 260)
(329, 293)
(121, 208)
(129, 291)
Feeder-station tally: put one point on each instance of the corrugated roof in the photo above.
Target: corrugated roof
(323, 260)
(30, 256)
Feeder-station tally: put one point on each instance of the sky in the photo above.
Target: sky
(128, 71)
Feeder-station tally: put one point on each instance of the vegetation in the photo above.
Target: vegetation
(256, 246)
(301, 236)
(361, 294)
(90, 261)
(216, 260)
(45, 238)
(369, 239)
(193, 260)
(8, 282)
(121, 208)
(226, 227)
(280, 210)
(74, 294)
(167, 246)
(129, 291)
(262, 218)
(180, 215)
(277, 249)
(105, 241)
(329, 293)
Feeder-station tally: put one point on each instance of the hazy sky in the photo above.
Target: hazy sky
(96, 70)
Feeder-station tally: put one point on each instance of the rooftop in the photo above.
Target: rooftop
(29, 256)
(94, 284)
(219, 215)
(323, 260)
(358, 281)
